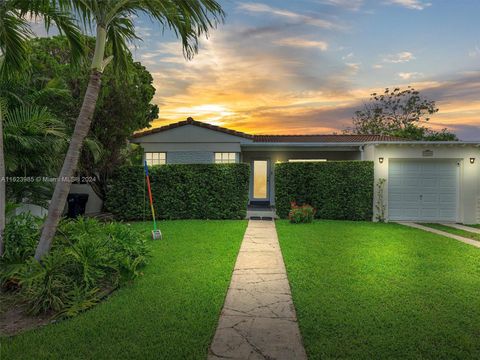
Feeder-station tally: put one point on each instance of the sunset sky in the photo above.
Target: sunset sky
(305, 66)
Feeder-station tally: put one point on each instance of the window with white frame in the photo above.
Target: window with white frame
(225, 158)
(156, 158)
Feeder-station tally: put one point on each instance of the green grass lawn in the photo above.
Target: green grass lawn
(169, 313)
(382, 291)
(454, 231)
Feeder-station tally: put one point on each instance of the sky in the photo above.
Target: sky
(305, 66)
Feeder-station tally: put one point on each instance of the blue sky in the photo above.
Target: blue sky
(305, 66)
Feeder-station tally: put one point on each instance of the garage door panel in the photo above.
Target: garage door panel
(447, 183)
(428, 181)
(448, 198)
(422, 190)
(430, 199)
(411, 182)
(446, 215)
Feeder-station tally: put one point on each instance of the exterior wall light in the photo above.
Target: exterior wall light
(380, 160)
(472, 160)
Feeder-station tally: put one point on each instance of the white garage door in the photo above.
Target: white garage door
(422, 190)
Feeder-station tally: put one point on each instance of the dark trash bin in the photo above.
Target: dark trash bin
(76, 205)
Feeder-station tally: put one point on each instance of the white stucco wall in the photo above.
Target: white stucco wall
(94, 203)
(469, 181)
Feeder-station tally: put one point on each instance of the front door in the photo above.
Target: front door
(260, 190)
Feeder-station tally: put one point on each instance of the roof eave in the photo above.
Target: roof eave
(432, 143)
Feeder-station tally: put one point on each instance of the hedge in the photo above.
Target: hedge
(340, 190)
(183, 191)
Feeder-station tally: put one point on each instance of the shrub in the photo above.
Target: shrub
(88, 260)
(301, 214)
(180, 191)
(336, 189)
(21, 237)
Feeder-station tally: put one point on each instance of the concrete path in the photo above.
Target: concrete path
(258, 320)
(443, 233)
(463, 227)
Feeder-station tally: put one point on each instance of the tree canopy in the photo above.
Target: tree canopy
(402, 113)
(123, 107)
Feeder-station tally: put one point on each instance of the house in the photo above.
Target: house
(425, 181)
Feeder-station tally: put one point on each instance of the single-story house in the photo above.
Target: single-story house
(425, 181)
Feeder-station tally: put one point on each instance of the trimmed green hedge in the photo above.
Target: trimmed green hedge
(337, 189)
(190, 191)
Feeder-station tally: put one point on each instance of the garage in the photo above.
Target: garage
(423, 190)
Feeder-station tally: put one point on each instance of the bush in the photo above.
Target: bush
(180, 191)
(88, 260)
(301, 214)
(340, 190)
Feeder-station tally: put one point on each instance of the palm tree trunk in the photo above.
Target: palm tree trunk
(82, 127)
(62, 187)
(3, 198)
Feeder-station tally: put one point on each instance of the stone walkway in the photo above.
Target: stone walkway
(443, 233)
(258, 320)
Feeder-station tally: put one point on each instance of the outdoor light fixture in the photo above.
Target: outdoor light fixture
(472, 160)
(380, 160)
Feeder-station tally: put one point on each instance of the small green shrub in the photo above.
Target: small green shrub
(21, 237)
(180, 191)
(87, 259)
(301, 214)
(341, 190)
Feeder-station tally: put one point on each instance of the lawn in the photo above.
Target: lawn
(169, 313)
(451, 230)
(378, 291)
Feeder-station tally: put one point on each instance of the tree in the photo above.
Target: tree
(14, 31)
(32, 139)
(401, 113)
(112, 21)
(123, 106)
(189, 19)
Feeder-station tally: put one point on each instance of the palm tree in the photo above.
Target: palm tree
(3, 199)
(114, 28)
(14, 32)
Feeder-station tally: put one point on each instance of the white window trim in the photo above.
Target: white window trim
(225, 157)
(155, 161)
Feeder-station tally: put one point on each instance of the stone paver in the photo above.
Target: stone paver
(443, 233)
(258, 319)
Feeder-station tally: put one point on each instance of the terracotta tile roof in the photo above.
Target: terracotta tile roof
(322, 138)
(273, 138)
(190, 121)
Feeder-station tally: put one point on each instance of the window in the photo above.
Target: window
(306, 160)
(225, 158)
(156, 158)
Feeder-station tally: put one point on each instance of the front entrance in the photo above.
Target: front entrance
(260, 184)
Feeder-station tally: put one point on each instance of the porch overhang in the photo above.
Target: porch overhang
(301, 147)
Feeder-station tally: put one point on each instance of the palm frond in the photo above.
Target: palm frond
(94, 147)
(188, 19)
(121, 32)
(14, 32)
(32, 135)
